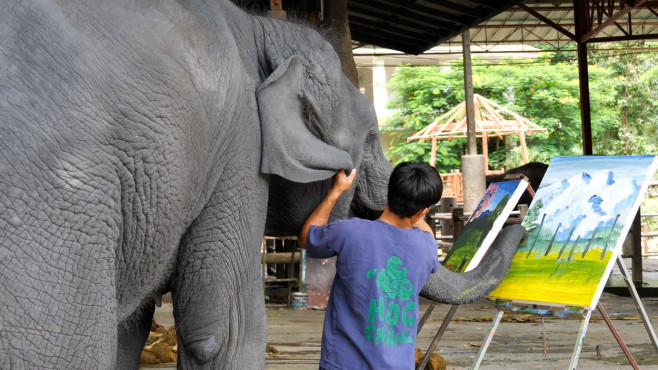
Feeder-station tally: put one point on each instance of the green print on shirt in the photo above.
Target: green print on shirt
(394, 283)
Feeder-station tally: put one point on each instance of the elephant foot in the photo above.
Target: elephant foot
(204, 350)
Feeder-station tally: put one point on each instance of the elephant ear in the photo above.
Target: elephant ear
(290, 149)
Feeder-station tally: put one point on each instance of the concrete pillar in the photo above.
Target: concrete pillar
(474, 180)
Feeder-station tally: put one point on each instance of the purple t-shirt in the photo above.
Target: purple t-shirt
(372, 314)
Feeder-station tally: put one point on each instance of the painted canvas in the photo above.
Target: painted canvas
(577, 223)
(484, 224)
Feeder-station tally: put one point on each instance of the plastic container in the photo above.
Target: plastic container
(300, 301)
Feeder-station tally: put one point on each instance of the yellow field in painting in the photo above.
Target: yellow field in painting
(547, 280)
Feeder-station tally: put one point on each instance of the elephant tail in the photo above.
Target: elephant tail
(449, 287)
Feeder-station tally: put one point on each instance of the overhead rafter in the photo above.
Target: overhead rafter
(414, 26)
(553, 23)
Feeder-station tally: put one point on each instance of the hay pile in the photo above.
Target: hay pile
(161, 346)
(436, 362)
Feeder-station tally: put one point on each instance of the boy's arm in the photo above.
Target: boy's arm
(421, 224)
(320, 215)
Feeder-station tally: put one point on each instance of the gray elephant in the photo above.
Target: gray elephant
(145, 147)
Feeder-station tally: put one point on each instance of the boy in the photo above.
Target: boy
(382, 265)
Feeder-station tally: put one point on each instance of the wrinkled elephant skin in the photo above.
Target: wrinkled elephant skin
(145, 147)
(450, 287)
(140, 142)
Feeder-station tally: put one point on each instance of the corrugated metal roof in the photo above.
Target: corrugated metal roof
(415, 26)
(529, 23)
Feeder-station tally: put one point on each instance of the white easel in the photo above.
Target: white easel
(570, 312)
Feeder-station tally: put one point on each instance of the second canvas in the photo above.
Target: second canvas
(576, 225)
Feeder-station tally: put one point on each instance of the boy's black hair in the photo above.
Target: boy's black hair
(412, 187)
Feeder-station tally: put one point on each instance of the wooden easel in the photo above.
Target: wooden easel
(570, 312)
(453, 308)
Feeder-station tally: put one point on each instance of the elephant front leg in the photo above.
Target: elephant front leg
(132, 335)
(217, 290)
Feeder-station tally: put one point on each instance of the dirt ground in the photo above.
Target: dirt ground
(520, 341)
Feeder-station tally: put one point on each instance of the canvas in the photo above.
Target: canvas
(484, 224)
(577, 223)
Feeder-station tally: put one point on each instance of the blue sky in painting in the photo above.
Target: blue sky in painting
(504, 188)
(583, 194)
(624, 167)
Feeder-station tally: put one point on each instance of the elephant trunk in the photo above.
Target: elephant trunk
(450, 287)
(370, 196)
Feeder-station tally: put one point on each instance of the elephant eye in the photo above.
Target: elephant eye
(312, 121)
(368, 144)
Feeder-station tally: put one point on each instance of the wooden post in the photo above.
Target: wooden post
(524, 147)
(523, 210)
(485, 150)
(446, 205)
(457, 223)
(433, 154)
(468, 94)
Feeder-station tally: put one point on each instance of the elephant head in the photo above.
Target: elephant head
(315, 122)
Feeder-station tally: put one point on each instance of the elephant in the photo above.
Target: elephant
(449, 287)
(147, 146)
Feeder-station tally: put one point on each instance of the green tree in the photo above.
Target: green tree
(542, 89)
(422, 94)
(634, 80)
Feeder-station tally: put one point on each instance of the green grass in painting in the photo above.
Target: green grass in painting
(546, 279)
(467, 245)
(572, 279)
(463, 251)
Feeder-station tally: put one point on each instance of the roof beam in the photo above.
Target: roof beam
(400, 12)
(356, 15)
(396, 7)
(450, 6)
(623, 38)
(484, 4)
(409, 47)
(625, 10)
(392, 29)
(556, 26)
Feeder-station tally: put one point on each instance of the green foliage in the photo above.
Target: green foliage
(623, 91)
(635, 89)
(422, 94)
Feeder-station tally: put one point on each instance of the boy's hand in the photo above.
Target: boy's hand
(342, 182)
(320, 216)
